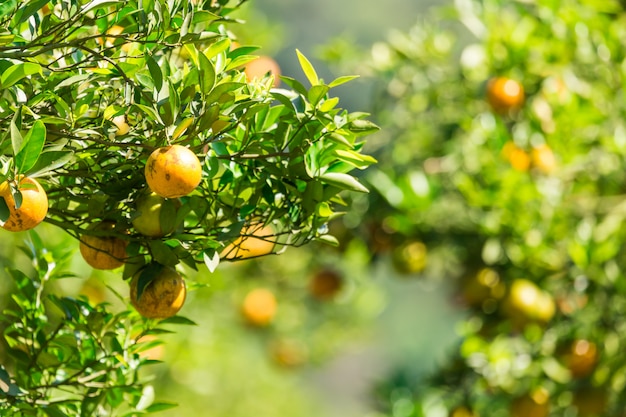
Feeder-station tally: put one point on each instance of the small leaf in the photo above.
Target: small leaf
(4, 210)
(155, 72)
(146, 276)
(342, 80)
(49, 161)
(179, 320)
(207, 73)
(211, 259)
(160, 407)
(308, 69)
(32, 146)
(162, 253)
(16, 135)
(343, 181)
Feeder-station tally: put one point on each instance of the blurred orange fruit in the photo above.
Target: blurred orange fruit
(325, 284)
(504, 94)
(534, 404)
(261, 67)
(543, 158)
(259, 307)
(517, 157)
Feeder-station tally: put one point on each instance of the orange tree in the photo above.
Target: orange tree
(502, 166)
(131, 125)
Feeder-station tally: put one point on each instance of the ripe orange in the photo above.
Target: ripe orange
(173, 171)
(504, 94)
(581, 357)
(162, 297)
(259, 307)
(534, 404)
(262, 66)
(33, 208)
(122, 125)
(103, 252)
(325, 284)
(543, 158)
(254, 241)
(518, 157)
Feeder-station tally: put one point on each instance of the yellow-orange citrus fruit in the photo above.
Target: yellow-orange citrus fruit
(153, 353)
(482, 286)
(504, 94)
(262, 66)
(543, 158)
(462, 411)
(325, 284)
(103, 252)
(149, 207)
(162, 297)
(410, 257)
(518, 157)
(534, 404)
(33, 208)
(581, 358)
(259, 307)
(122, 125)
(254, 241)
(527, 303)
(288, 353)
(173, 171)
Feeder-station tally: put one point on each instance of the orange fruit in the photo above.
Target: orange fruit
(33, 208)
(288, 353)
(482, 286)
(543, 158)
(518, 157)
(261, 67)
(103, 252)
(153, 353)
(259, 307)
(122, 125)
(325, 284)
(581, 358)
(527, 303)
(148, 222)
(254, 241)
(173, 171)
(534, 404)
(462, 411)
(162, 296)
(504, 94)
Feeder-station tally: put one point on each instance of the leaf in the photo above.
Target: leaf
(179, 320)
(211, 259)
(49, 161)
(342, 80)
(160, 407)
(16, 72)
(207, 74)
(354, 158)
(155, 72)
(343, 181)
(162, 253)
(317, 93)
(16, 135)
(308, 69)
(97, 4)
(32, 146)
(146, 276)
(4, 210)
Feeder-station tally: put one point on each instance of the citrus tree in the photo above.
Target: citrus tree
(502, 174)
(137, 129)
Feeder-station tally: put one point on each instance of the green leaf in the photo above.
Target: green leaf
(343, 181)
(342, 80)
(162, 253)
(207, 74)
(4, 210)
(179, 320)
(308, 69)
(356, 159)
(16, 72)
(49, 161)
(146, 276)
(317, 93)
(32, 146)
(155, 72)
(160, 407)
